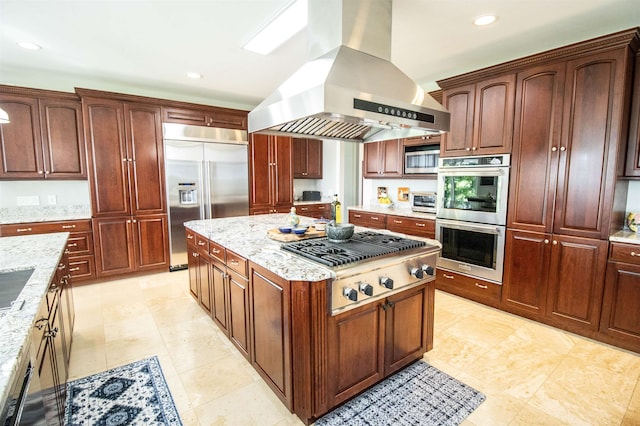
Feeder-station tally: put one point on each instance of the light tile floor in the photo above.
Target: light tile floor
(532, 374)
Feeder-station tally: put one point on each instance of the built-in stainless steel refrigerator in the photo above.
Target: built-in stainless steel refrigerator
(207, 177)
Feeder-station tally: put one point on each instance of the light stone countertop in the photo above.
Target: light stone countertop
(625, 236)
(41, 252)
(44, 214)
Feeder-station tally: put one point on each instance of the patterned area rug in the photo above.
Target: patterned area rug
(418, 395)
(134, 394)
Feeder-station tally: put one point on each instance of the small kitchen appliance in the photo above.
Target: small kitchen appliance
(424, 202)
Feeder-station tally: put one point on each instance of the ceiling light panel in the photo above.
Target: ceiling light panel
(279, 29)
(484, 20)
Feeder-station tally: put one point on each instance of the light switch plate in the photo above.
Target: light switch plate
(28, 200)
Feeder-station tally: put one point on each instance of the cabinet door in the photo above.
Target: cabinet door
(192, 261)
(282, 176)
(299, 158)
(146, 168)
(151, 241)
(460, 103)
(20, 141)
(270, 297)
(260, 170)
(219, 296)
(204, 282)
(239, 313)
(591, 133)
(63, 139)
(407, 328)
(372, 164)
(621, 305)
(314, 159)
(526, 273)
(356, 358)
(107, 152)
(576, 280)
(493, 118)
(534, 161)
(113, 239)
(633, 149)
(393, 158)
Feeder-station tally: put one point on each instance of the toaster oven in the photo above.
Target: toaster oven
(423, 202)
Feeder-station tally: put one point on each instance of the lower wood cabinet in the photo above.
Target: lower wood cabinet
(620, 320)
(126, 244)
(556, 279)
(79, 244)
(413, 226)
(373, 341)
(368, 219)
(200, 272)
(320, 210)
(481, 291)
(238, 312)
(271, 332)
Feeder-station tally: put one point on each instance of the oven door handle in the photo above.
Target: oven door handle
(488, 171)
(487, 229)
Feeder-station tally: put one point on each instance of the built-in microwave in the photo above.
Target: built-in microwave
(421, 159)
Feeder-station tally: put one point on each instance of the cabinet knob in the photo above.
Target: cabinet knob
(555, 243)
(468, 149)
(201, 243)
(554, 149)
(474, 148)
(562, 148)
(546, 241)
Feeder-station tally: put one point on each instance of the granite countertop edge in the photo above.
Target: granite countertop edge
(625, 236)
(41, 252)
(393, 211)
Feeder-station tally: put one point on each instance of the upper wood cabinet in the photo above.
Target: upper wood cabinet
(202, 116)
(568, 145)
(633, 149)
(383, 159)
(307, 158)
(126, 159)
(271, 177)
(45, 138)
(481, 117)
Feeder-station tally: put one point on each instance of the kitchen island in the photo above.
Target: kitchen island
(42, 253)
(276, 308)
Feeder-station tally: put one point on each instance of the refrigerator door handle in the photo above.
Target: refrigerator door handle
(206, 189)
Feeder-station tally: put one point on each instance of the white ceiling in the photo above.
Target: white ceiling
(147, 46)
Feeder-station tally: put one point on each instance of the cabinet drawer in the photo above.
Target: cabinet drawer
(80, 243)
(628, 253)
(314, 210)
(471, 288)
(45, 227)
(369, 220)
(82, 267)
(217, 251)
(237, 263)
(191, 237)
(202, 243)
(412, 226)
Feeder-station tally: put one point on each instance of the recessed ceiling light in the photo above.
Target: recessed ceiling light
(27, 45)
(484, 20)
(194, 75)
(281, 28)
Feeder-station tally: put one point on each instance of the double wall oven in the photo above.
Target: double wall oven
(472, 213)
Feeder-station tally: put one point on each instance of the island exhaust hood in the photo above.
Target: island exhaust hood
(350, 90)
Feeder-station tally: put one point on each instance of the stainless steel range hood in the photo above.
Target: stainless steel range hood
(350, 90)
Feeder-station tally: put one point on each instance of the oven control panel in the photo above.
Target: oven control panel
(380, 281)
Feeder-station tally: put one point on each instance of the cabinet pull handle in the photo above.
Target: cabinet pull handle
(397, 221)
(422, 225)
(195, 254)
(77, 268)
(23, 230)
(72, 245)
(357, 215)
(234, 262)
(482, 286)
(215, 251)
(68, 226)
(189, 237)
(374, 217)
(201, 243)
(633, 253)
(449, 277)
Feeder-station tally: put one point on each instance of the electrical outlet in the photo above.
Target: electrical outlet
(28, 200)
(51, 199)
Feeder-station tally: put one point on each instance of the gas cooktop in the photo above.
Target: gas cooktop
(361, 246)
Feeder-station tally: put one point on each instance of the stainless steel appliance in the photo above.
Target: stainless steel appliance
(349, 90)
(421, 159)
(472, 213)
(370, 265)
(474, 189)
(469, 248)
(424, 202)
(207, 177)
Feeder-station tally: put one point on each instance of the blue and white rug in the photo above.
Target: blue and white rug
(134, 394)
(418, 395)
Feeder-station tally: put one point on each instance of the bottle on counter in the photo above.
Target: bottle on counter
(292, 218)
(336, 209)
